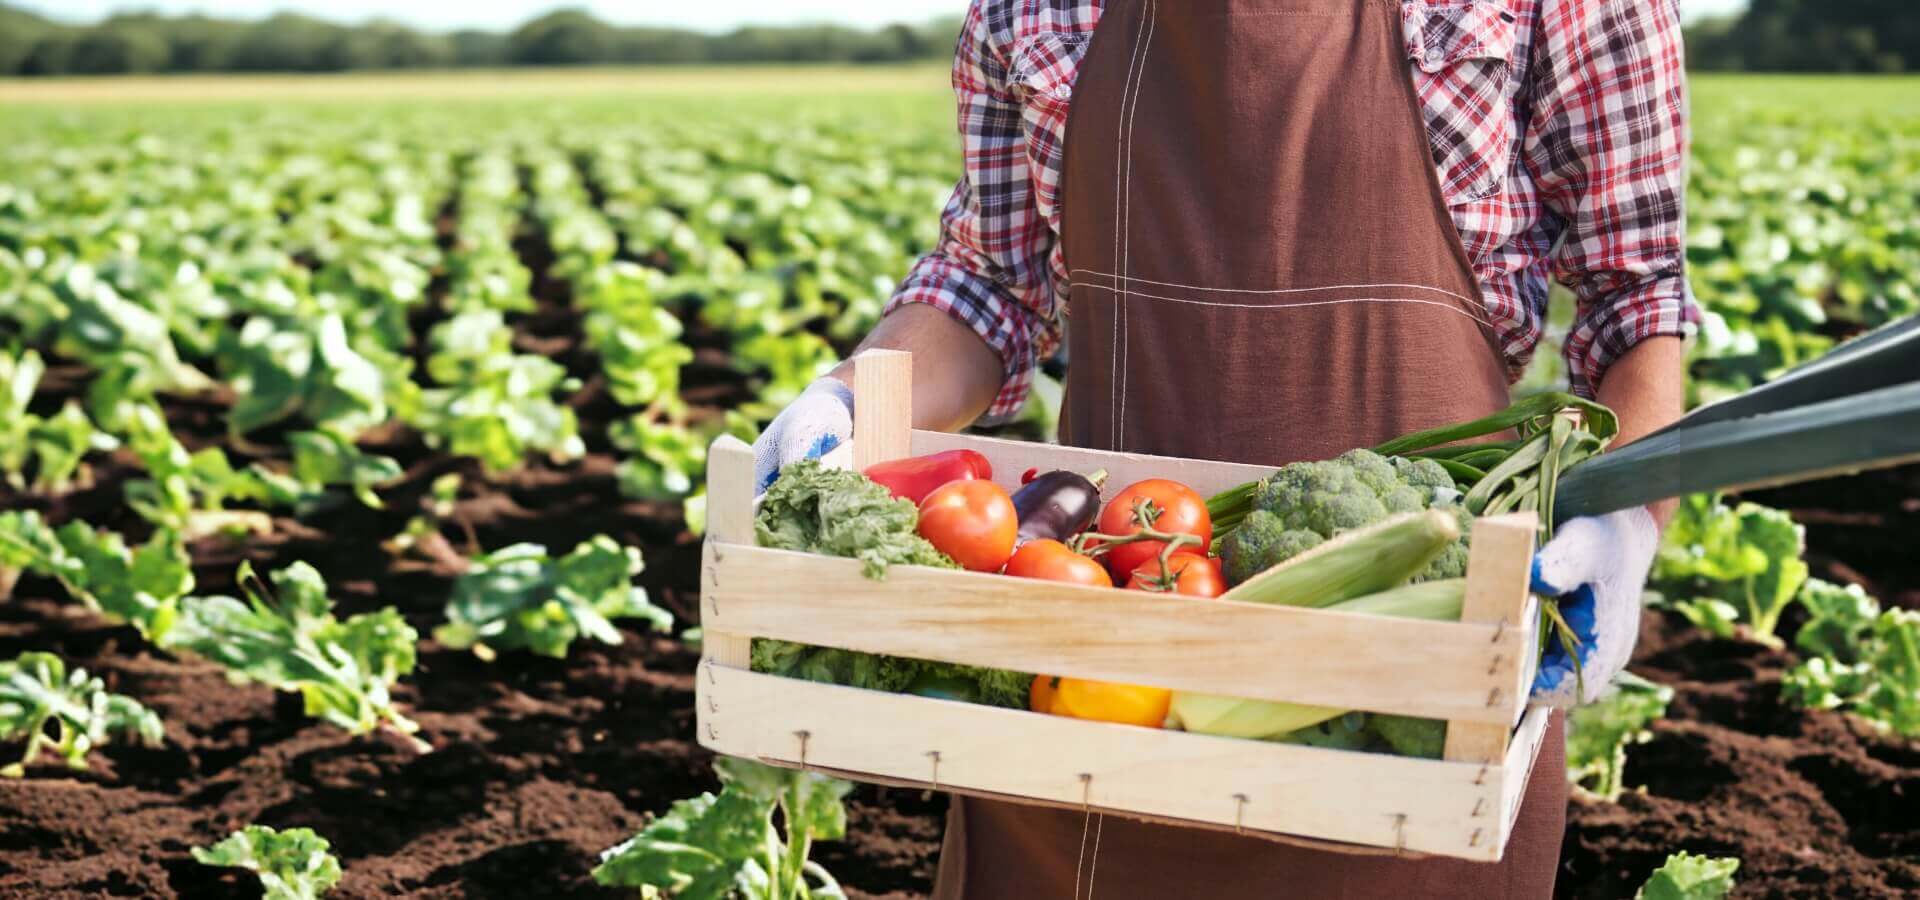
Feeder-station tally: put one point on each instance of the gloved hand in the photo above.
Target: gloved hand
(1597, 566)
(815, 423)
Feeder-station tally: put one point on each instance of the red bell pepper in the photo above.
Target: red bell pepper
(914, 477)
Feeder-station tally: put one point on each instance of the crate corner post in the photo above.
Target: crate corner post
(1498, 575)
(883, 407)
(730, 490)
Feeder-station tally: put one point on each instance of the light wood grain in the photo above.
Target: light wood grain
(1362, 798)
(882, 407)
(1517, 771)
(1497, 582)
(1319, 657)
(730, 490)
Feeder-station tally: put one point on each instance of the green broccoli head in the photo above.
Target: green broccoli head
(1372, 470)
(1452, 561)
(1422, 473)
(1405, 499)
(1261, 542)
(1335, 513)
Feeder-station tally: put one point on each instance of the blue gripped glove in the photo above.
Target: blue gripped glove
(815, 423)
(1597, 566)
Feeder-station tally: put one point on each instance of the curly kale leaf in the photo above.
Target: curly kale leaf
(815, 509)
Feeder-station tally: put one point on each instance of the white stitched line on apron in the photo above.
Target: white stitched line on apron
(1451, 307)
(1119, 145)
(1126, 246)
(1230, 290)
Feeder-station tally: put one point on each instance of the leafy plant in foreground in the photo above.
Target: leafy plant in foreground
(1720, 564)
(1685, 876)
(286, 637)
(323, 459)
(142, 585)
(54, 444)
(1871, 666)
(283, 367)
(293, 864)
(188, 492)
(711, 847)
(1598, 734)
(494, 405)
(521, 596)
(36, 690)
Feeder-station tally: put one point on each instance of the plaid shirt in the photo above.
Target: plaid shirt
(1558, 129)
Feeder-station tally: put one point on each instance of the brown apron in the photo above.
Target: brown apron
(1263, 270)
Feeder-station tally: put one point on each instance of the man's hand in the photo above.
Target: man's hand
(814, 424)
(1597, 567)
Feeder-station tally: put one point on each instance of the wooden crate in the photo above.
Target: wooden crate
(1473, 673)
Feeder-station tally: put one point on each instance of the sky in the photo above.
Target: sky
(504, 14)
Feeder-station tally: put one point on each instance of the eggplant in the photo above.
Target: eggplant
(1057, 505)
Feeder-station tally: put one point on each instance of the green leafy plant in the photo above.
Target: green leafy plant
(294, 864)
(285, 636)
(286, 367)
(323, 459)
(712, 847)
(521, 596)
(188, 492)
(1599, 734)
(142, 585)
(1686, 876)
(37, 691)
(494, 405)
(52, 447)
(1874, 672)
(1719, 564)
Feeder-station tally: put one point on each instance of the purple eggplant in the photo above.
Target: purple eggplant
(1058, 504)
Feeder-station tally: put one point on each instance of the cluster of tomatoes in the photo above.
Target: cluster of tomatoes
(976, 522)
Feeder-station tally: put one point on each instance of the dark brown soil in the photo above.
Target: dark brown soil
(540, 764)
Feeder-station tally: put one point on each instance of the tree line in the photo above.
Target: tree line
(288, 42)
(1771, 35)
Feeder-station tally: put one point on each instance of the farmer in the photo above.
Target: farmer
(1273, 230)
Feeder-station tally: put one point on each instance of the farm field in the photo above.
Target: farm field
(394, 326)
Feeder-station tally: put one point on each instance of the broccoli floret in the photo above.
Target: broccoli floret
(1261, 542)
(1372, 470)
(1343, 512)
(1422, 473)
(1410, 736)
(1325, 497)
(1452, 561)
(1405, 499)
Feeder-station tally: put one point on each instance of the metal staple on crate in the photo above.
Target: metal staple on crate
(1399, 832)
(1479, 807)
(1474, 841)
(803, 735)
(1239, 813)
(934, 778)
(1481, 777)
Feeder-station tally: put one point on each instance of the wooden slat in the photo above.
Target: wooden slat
(1497, 594)
(1517, 770)
(1011, 458)
(1346, 660)
(1362, 798)
(730, 490)
(882, 406)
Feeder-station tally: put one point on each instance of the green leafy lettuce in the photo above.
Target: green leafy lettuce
(1598, 734)
(293, 864)
(523, 597)
(36, 691)
(1686, 876)
(1718, 562)
(713, 847)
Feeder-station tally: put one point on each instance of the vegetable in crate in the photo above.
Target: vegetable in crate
(1189, 574)
(913, 478)
(1305, 503)
(1057, 505)
(1053, 561)
(1164, 505)
(815, 509)
(971, 521)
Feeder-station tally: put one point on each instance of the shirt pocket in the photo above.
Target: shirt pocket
(1044, 67)
(1465, 74)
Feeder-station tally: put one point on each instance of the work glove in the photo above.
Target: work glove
(815, 423)
(1596, 566)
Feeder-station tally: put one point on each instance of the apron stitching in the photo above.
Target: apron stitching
(1232, 290)
(1119, 141)
(1126, 251)
(1451, 307)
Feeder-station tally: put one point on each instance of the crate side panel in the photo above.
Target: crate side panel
(1360, 798)
(1432, 669)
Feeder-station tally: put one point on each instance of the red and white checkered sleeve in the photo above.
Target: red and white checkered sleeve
(989, 270)
(1607, 145)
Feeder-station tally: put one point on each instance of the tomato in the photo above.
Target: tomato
(972, 521)
(1106, 701)
(1193, 575)
(1051, 560)
(1175, 509)
(1040, 694)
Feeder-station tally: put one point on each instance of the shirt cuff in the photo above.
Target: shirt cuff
(979, 304)
(1615, 322)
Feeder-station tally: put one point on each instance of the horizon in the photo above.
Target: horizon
(505, 15)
